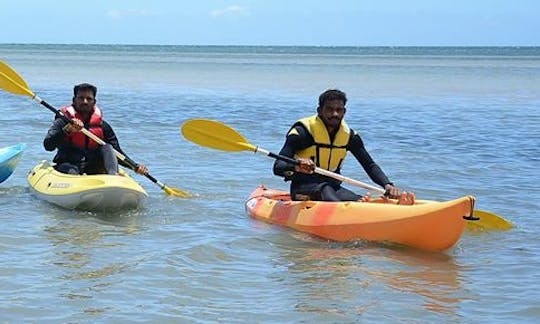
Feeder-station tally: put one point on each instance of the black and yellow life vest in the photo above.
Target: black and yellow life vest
(326, 154)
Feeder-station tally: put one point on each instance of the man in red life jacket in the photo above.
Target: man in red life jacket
(77, 153)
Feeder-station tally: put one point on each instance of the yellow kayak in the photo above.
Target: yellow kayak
(100, 192)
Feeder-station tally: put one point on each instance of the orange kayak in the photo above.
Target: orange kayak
(426, 225)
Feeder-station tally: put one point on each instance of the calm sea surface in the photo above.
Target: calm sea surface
(443, 122)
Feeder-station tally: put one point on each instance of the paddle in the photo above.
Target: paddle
(216, 135)
(11, 81)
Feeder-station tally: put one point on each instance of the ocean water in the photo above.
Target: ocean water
(443, 122)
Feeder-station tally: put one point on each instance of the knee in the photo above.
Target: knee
(328, 193)
(106, 147)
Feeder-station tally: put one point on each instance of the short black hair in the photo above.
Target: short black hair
(84, 86)
(332, 94)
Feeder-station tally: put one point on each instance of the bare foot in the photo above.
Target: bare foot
(406, 198)
(365, 198)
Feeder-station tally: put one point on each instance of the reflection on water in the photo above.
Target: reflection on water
(433, 276)
(381, 275)
(85, 251)
(7, 191)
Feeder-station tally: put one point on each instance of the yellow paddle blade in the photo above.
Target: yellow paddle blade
(11, 81)
(216, 135)
(488, 222)
(177, 192)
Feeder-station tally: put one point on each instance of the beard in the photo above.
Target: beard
(333, 122)
(85, 109)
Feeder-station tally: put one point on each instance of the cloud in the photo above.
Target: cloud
(125, 13)
(233, 10)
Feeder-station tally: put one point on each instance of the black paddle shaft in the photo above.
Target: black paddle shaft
(283, 158)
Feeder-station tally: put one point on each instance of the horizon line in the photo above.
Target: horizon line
(251, 45)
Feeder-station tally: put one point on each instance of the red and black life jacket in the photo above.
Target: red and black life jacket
(95, 126)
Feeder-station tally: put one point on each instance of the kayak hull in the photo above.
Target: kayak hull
(433, 226)
(100, 192)
(9, 158)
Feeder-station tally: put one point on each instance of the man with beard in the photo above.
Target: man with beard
(77, 153)
(323, 140)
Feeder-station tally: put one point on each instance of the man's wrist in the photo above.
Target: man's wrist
(66, 129)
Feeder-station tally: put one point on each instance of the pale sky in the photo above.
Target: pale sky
(273, 22)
